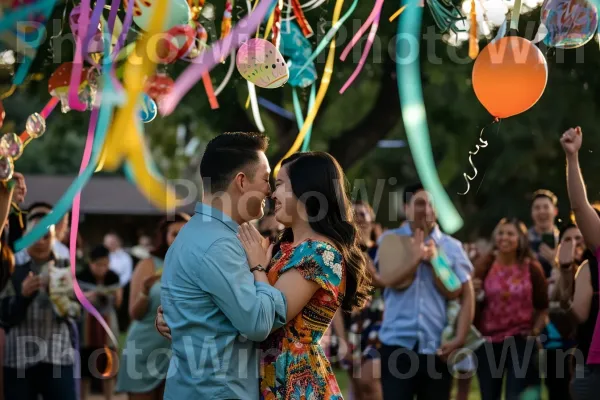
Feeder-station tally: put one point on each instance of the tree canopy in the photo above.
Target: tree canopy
(523, 153)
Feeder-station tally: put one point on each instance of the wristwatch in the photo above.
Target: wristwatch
(258, 268)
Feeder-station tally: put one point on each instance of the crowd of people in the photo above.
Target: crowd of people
(252, 306)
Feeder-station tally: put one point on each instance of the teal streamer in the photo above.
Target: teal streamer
(328, 37)
(64, 203)
(414, 117)
(21, 14)
(311, 104)
(300, 116)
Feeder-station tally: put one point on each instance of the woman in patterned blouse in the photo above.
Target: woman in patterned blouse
(319, 267)
(512, 309)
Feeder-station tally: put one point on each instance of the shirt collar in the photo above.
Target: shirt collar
(435, 234)
(211, 212)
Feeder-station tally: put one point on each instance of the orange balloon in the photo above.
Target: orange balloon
(509, 76)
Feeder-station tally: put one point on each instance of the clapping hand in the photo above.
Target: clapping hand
(547, 253)
(258, 249)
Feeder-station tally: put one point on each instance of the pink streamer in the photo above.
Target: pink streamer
(365, 53)
(87, 154)
(208, 59)
(49, 107)
(74, 83)
(374, 14)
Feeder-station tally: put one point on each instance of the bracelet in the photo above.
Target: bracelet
(258, 268)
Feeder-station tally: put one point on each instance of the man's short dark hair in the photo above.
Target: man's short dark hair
(98, 252)
(228, 154)
(545, 194)
(411, 190)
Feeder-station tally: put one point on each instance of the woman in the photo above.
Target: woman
(319, 267)
(358, 334)
(512, 306)
(586, 384)
(144, 300)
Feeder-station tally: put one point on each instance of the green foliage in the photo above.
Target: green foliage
(523, 153)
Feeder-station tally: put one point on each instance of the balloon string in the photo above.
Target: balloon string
(325, 81)
(374, 14)
(483, 144)
(369, 44)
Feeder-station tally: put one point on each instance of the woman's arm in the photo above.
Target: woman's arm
(585, 215)
(141, 282)
(118, 298)
(584, 292)
(297, 291)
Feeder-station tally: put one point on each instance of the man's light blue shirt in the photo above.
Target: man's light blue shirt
(418, 314)
(216, 311)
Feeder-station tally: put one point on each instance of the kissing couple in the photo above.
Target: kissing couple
(245, 317)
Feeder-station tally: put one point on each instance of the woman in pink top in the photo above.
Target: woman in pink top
(511, 311)
(586, 385)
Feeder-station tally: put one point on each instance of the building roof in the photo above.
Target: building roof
(101, 195)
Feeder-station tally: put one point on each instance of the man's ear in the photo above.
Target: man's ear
(240, 181)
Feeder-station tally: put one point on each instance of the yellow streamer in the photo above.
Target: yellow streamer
(473, 42)
(325, 81)
(124, 143)
(397, 13)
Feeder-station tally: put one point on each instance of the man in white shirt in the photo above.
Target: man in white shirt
(120, 261)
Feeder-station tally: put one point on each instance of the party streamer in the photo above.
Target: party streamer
(123, 141)
(277, 23)
(255, 110)
(473, 41)
(301, 19)
(74, 83)
(208, 59)
(21, 14)
(336, 25)
(365, 54)
(228, 75)
(414, 118)
(276, 109)
(468, 179)
(376, 10)
(299, 116)
(397, 13)
(325, 81)
(516, 13)
(92, 30)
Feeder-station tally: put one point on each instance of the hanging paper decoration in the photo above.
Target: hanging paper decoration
(446, 14)
(195, 8)
(176, 43)
(7, 168)
(178, 13)
(277, 23)
(261, 63)
(298, 49)
(158, 86)
(569, 23)
(58, 84)
(509, 76)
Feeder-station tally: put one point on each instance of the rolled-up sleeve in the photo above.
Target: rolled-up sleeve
(254, 308)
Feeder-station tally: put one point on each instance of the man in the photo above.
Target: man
(269, 227)
(60, 229)
(215, 307)
(544, 235)
(120, 261)
(39, 353)
(412, 357)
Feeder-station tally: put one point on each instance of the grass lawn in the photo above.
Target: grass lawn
(343, 382)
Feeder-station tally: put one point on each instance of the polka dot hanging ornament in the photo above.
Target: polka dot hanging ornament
(259, 62)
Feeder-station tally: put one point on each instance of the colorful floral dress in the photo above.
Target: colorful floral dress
(293, 364)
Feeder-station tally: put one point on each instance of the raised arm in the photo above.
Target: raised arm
(254, 308)
(585, 215)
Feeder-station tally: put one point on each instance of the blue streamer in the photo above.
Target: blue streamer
(414, 117)
(300, 117)
(275, 108)
(65, 202)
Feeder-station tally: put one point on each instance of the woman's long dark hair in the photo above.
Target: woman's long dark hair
(319, 183)
(523, 249)
(160, 240)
